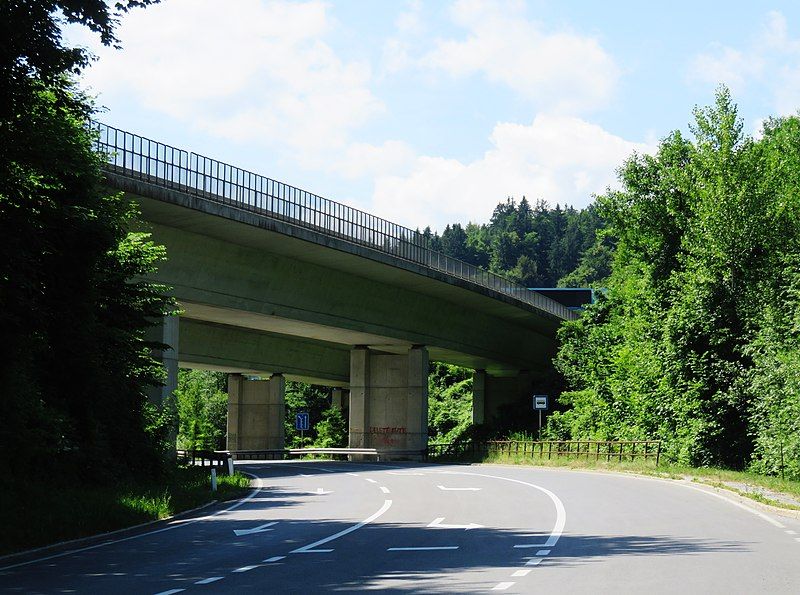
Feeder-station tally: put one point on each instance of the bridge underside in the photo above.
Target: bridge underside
(258, 298)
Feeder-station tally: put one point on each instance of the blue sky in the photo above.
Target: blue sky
(432, 112)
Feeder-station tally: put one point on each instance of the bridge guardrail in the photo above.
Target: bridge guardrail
(608, 450)
(151, 161)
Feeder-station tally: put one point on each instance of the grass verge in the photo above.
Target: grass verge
(769, 490)
(37, 513)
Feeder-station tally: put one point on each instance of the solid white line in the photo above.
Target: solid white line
(737, 504)
(310, 547)
(533, 562)
(422, 549)
(273, 559)
(542, 552)
(446, 489)
(522, 572)
(170, 592)
(385, 490)
(208, 581)
(246, 568)
(370, 480)
(561, 513)
(177, 525)
(501, 586)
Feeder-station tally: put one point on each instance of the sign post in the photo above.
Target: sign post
(540, 403)
(301, 422)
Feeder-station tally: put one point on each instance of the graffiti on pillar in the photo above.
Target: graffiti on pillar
(387, 436)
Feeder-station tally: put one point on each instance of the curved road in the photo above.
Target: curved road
(327, 526)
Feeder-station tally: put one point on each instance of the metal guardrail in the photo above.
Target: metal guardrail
(288, 453)
(140, 158)
(608, 450)
(214, 458)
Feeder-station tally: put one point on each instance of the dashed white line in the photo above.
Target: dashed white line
(385, 490)
(209, 580)
(310, 547)
(522, 572)
(790, 532)
(534, 562)
(170, 592)
(273, 559)
(422, 549)
(354, 474)
(370, 480)
(797, 539)
(501, 586)
(542, 552)
(246, 568)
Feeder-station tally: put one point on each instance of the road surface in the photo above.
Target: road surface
(341, 527)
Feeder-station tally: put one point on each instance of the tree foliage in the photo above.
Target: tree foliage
(202, 401)
(690, 344)
(74, 365)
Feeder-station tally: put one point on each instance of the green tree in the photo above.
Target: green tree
(202, 409)
(74, 364)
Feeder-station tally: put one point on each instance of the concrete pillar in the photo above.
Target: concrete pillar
(503, 398)
(389, 399)
(166, 332)
(337, 398)
(359, 397)
(256, 410)
(479, 397)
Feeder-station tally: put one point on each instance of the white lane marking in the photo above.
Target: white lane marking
(790, 532)
(370, 480)
(170, 592)
(403, 473)
(523, 572)
(326, 470)
(177, 525)
(305, 475)
(737, 504)
(259, 529)
(385, 490)
(534, 562)
(321, 492)
(438, 523)
(208, 581)
(797, 539)
(458, 489)
(387, 504)
(422, 549)
(561, 514)
(543, 553)
(354, 474)
(501, 586)
(273, 559)
(246, 568)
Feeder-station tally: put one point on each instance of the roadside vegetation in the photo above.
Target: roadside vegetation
(42, 513)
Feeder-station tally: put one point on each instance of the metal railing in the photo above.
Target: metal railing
(598, 450)
(137, 157)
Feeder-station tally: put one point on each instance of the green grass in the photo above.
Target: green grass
(36, 513)
(711, 476)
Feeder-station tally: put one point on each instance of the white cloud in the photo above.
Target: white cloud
(770, 62)
(558, 158)
(559, 70)
(259, 71)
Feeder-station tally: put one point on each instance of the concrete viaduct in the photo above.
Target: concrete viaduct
(279, 283)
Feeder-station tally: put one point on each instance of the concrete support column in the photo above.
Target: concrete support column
(502, 399)
(359, 397)
(256, 409)
(389, 399)
(166, 332)
(479, 397)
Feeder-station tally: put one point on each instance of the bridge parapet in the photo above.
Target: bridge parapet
(139, 158)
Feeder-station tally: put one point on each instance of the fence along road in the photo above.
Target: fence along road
(140, 158)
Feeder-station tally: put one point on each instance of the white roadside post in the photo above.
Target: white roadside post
(230, 465)
(213, 479)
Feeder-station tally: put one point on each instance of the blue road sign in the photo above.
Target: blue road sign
(301, 421)
(540, 402)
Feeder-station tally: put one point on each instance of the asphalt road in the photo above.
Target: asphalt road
(327, 526)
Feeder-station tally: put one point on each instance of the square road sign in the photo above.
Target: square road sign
(301, 421)
(540, 402)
